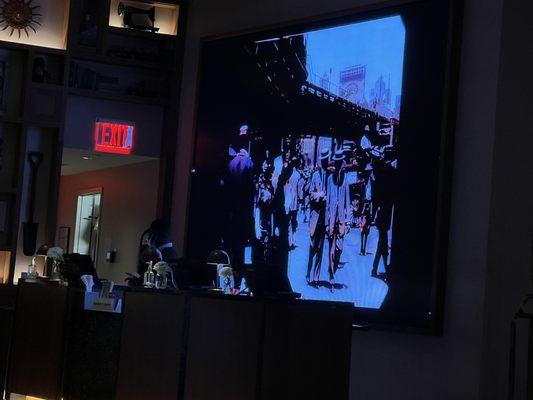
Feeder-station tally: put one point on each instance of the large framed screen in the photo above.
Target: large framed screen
(321, 149)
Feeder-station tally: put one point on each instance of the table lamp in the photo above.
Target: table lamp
(219, 258)
(43, 252)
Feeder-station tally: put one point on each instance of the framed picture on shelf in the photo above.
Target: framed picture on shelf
(6, 203)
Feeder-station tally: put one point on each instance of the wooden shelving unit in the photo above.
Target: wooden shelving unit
(40, 97)
(116, 97)
(122, 61)
(139, 34)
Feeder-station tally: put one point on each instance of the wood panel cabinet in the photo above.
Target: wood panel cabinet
(306, 351)
(177, 346)
(151, 346)
(223, 349)
(37, 351)
(8, 297)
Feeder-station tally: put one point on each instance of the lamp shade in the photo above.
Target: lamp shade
(218, 257)
(43, 250)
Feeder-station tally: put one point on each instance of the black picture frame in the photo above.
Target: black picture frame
(450, 14)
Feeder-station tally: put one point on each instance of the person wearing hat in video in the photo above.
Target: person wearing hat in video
(263, 212)
(385, 171)
(317, 221)
(337, 212)
(241, 143)
(291, 200)
(365, 143)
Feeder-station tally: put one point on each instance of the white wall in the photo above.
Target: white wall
(390, 365)
(128, 207)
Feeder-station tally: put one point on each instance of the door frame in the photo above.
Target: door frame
(84, 192)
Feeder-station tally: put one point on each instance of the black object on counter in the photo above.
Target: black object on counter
(137, 18)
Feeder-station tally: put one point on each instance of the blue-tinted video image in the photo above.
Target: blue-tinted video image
(297, 156)
(342, 251)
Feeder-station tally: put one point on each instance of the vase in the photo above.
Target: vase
(161, 281)
(227, 286)
(56, 274)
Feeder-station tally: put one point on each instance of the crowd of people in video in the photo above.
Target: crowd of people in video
(333, 185)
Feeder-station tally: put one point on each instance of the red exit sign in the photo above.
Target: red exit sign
(113, 137)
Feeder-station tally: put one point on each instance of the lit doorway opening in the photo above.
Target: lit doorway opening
(88, 223)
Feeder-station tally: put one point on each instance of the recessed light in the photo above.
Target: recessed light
(86, 158)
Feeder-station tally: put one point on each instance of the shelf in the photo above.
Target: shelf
(46, 86)
(123, 62)
(4, 44)
(140, 34)
(10, 120)
(116, 97)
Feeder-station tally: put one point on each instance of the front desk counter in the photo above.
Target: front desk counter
(8, 298)
(173, 345)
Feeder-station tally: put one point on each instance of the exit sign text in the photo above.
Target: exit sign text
(112, 137)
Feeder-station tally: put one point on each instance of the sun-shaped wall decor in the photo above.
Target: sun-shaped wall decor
(19, 15)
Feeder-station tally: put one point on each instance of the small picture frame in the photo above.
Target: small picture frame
(6, 204)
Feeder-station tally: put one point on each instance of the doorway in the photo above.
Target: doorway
(87, 229)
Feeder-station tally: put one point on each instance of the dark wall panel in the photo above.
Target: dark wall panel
(150, 352)
(36, 360)
(223, 349)
(317, 339)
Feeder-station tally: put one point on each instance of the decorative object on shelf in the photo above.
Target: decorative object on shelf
(149, 276)
(32, 270)
(19, 15)
(226, 276)
(29, 228)
(42, 253)
(56, 255)
(88, 30)
(220, 259)
(40, 73)
(6, 202)
(137, 18)
(163, 270)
